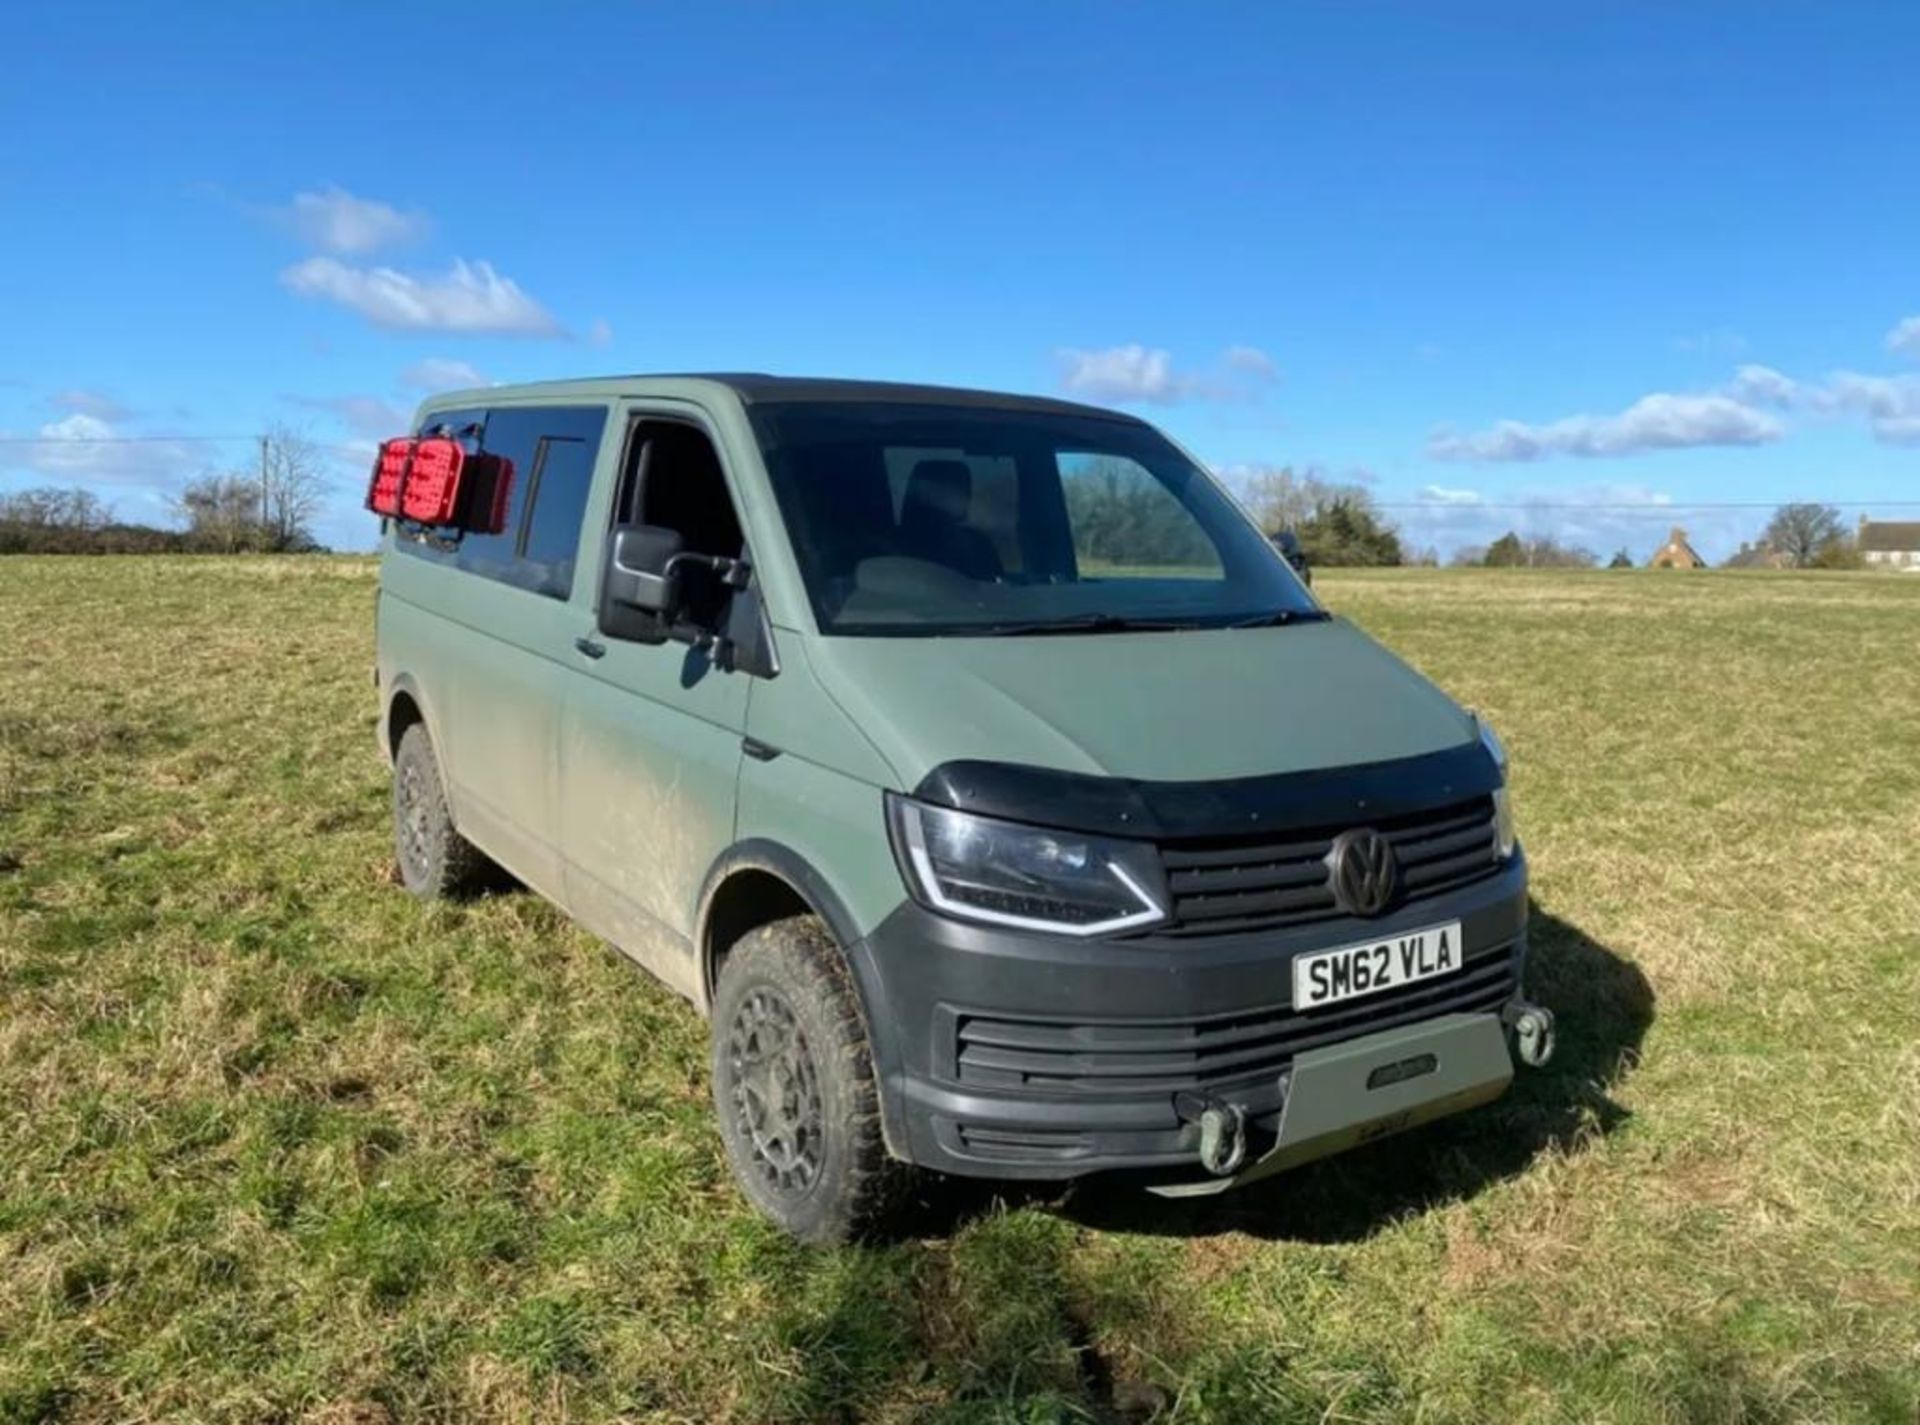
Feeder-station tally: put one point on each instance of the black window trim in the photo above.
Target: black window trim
(476, 431)
(665, 413)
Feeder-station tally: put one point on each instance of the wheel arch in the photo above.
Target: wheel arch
(757, 881)
(403, 706)
(754, 883)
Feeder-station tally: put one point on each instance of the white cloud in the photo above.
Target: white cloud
(1891, 404)
(1905, 337)
(1136, 373)
(334, 220)
(1251, 360)
(1662, 421)
(469, 298)
(1763, 383)
(1898, 430)
(600, 333)
(1451, 495)
(84, 448)
(97, 404)
(441, 373)
(1121, 373)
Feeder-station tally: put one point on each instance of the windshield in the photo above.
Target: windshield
(911, 519)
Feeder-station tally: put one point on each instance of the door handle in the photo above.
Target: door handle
(590, 647)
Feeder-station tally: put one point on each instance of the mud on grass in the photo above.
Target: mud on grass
(276, 1143)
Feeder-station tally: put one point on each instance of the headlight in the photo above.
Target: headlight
(1002, 873)
(1504, 837)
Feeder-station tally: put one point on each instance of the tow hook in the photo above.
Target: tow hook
(1532, 1027)
(1223, 1131)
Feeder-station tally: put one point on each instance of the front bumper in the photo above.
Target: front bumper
(1004, 1054)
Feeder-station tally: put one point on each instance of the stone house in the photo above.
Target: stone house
(1676, 553)
(1761, 555)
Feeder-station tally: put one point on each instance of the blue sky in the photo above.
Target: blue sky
(1510, 264)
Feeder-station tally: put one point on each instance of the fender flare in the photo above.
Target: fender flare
(406, 683)
(783, 862)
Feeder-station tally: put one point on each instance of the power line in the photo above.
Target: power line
(1613, 507)
(122, 439)
(1645, 506)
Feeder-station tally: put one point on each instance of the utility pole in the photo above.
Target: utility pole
(264, 482)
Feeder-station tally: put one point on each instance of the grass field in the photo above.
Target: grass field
(278, 1143)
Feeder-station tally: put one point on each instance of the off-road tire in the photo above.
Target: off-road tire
(793, 967)
(435, 861)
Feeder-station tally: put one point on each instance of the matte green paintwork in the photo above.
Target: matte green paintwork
(495, 669)
(1189, 705)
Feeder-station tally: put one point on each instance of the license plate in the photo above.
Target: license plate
(1350, 971)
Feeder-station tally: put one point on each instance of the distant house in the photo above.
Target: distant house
(1890, 544)
(1676, 553)
(1758, 556)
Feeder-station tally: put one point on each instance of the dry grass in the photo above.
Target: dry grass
(277, 1143)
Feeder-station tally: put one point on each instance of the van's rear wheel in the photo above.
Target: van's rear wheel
(794, 1085)
(436, 862)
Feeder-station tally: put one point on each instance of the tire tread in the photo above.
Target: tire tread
(800, 954)
(457, 868)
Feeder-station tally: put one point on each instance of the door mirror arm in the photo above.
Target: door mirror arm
(742, 642)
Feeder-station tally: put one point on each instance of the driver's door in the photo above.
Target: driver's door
(651, 734)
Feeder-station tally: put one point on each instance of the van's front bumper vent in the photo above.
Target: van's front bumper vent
(1142, 1056)
(1224, 886)
(1024, 1145)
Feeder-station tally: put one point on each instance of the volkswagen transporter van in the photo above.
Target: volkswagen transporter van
(979, 769)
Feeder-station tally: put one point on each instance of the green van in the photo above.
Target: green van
(987, 777)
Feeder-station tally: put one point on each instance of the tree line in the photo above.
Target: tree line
(1800, 535)
(267, 510)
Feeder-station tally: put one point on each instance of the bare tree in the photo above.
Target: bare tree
(267, 509)
(52, 507)
(1278, 499)
(221, 512)
(52, 520)
(1337, 523)
(293, 485)
(1802, 531)
(1546, 552)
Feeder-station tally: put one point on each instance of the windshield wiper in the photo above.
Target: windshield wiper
(1088, 623)
(1278, 617)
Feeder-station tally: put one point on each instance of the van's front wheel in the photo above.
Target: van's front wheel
(794, 1085)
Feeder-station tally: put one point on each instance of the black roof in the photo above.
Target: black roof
(754, 386)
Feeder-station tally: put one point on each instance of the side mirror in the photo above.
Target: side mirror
(654, 590)
(641, 572)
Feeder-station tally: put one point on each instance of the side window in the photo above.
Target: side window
(1126, 524)
(674, 479)
(557, 486)
(553, 449)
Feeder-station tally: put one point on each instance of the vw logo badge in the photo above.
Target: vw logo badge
(1366, 874)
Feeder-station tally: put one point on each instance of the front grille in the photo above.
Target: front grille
(1140, 1056)
(1226, 887)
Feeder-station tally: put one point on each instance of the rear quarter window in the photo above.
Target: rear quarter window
(553, 450)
